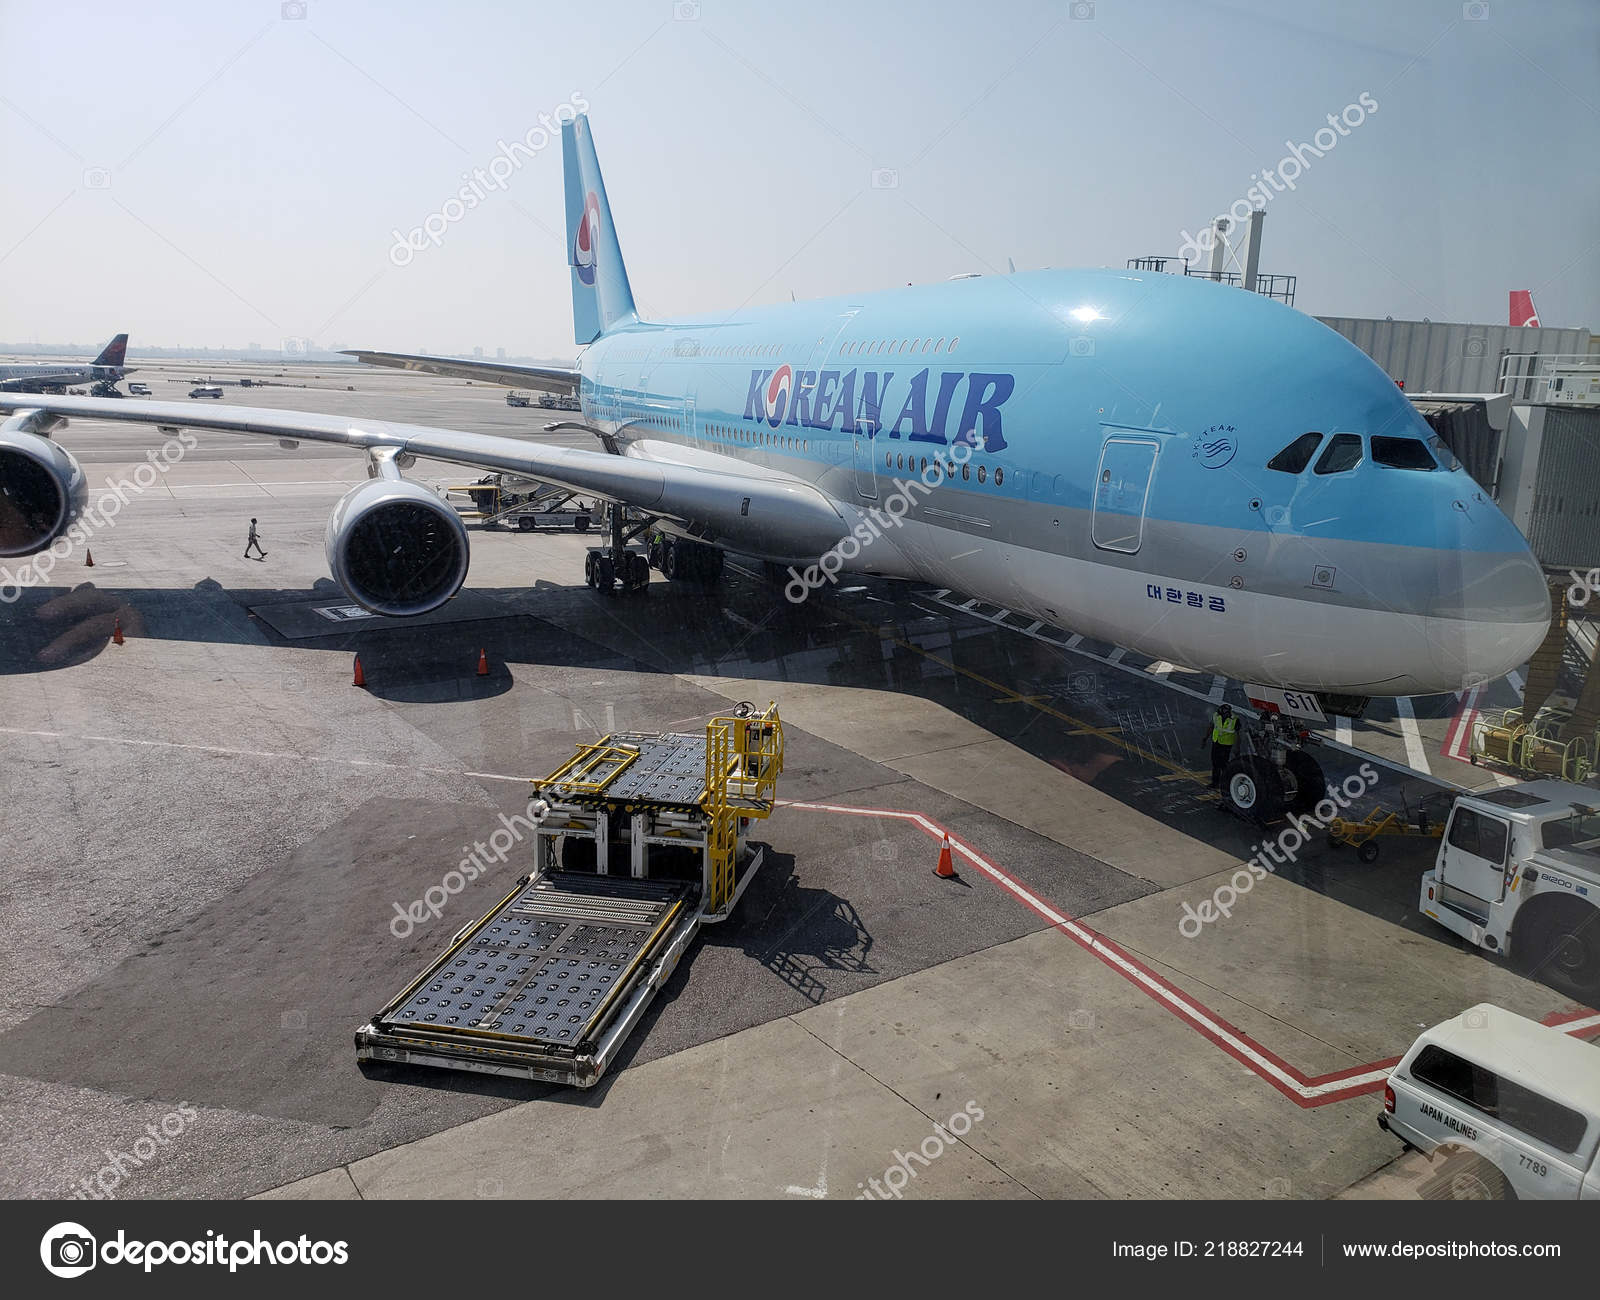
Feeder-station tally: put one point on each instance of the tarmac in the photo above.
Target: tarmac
(211, 831)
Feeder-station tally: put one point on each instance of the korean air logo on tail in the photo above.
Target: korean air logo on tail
(583, 246)
(775, 400)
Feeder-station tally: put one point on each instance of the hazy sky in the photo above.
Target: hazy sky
(215, 174)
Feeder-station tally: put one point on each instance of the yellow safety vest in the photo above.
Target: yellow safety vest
(1223, 729)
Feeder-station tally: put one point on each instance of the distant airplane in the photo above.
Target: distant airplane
(57, 376)
(1523, 312)
(1172, 465)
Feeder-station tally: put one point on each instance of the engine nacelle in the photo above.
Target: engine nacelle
(396, 547)
(42, 489)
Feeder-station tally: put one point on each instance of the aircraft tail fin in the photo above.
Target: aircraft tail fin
(1523, 312)
(115, 353)
(601, 295)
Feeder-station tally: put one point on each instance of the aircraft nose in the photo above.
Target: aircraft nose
(1493, 616)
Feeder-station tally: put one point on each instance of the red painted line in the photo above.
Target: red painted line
(1305, 1091)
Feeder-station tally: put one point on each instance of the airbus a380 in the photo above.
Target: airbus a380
(1178, 467)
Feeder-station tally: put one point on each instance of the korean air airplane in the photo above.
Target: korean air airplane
(1175, 466)
(55, 376)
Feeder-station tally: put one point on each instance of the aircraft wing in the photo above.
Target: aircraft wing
(775, 517)
(549, 379)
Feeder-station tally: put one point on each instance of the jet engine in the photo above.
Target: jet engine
(396, 547)
(42, 488)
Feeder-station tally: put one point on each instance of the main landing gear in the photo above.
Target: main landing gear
(618, 566)
(681, 560)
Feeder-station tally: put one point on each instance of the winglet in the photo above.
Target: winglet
(601, 295)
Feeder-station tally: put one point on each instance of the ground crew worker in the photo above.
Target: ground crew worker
(254, 541)
(1224, 731)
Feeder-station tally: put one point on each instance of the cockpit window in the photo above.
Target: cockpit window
(1343, 452)
(1297, 455)
(1402, 453)
(1443, 454)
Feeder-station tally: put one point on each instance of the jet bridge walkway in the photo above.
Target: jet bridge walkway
(639, 842)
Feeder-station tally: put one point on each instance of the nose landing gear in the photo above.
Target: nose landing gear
(1273, 774)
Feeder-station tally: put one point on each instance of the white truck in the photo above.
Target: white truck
(1513, 1106)
(1518, 874)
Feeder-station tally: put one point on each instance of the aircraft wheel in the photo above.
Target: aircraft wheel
(581, 524)
(605, 574)
(588, 569)
(1312, 786)
(1253, 790)
(672, 565)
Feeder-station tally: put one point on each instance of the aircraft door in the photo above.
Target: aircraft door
(1121, 492)
(863, 450)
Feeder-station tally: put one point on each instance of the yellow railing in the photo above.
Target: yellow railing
(592, 769)
(744, 755)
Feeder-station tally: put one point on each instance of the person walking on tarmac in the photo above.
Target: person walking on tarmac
(254, 541)
(1224, 731)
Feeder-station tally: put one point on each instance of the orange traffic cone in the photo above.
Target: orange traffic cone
(945, 869)
(483, 663)
(360, 677)
(116, 631)
(88, 558)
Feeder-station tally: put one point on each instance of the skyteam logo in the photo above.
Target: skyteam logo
(583, 246)
(1216, 446)
(775, 401)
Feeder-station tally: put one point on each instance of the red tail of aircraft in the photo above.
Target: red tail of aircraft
(1523, 312)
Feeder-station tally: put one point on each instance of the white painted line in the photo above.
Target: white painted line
(1074, 641)
(1032, 628)
(1115, 657)
(1218, 686)
(1416, 754)
(1230, 1040)
(1159, 669)
(1343, 732)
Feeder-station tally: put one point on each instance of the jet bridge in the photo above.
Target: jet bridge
(640, 841)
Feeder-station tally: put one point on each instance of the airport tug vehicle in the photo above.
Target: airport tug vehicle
(1518, 875)
(639, 841)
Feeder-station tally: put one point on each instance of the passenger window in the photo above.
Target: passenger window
(1343, 453)
(1297, 455)
(1402, 453)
